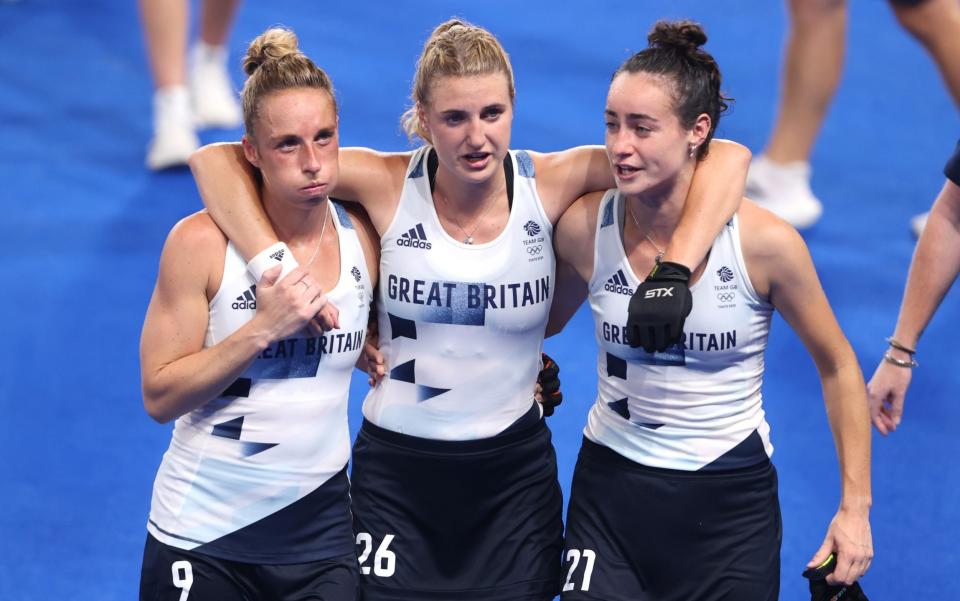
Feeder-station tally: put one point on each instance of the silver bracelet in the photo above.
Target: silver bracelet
(895, 344)
(900, 362)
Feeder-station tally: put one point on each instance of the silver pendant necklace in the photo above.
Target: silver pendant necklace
(468, 237)
(636, 222)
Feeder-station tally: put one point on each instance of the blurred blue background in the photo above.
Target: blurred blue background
(83, 224)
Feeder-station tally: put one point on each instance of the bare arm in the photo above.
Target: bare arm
(370, 361)
(573, 239)
(228, 187)
(778, 260)
(565, 176)
(178, 374)
(571, 290)
(715, 194)
(933, 270)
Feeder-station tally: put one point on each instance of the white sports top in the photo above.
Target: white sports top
(698, 404)
(279, 432)
(461, 326)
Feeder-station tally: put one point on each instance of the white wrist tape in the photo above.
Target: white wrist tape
(273, 255)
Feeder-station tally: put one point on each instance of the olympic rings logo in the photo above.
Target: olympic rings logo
(725, 297)
(534, 250)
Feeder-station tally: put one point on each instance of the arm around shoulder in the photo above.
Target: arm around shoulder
(715, 195)
(227, 183)
(573, 240)
(565, 176)
(374, 180)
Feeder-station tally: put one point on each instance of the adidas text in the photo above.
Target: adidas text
(252, 305)
(414, 243)
(618, 289)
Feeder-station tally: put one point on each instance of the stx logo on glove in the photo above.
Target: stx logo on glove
(658, 293)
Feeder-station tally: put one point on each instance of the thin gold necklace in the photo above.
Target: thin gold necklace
(636, 222)
(323, 230)
(468, 238)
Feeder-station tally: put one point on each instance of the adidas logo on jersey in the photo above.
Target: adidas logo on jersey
(618, 283)
(415, 237)
(247, 300)
(356, 273)
(277, 255)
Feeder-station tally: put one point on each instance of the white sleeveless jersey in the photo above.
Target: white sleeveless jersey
(279, 432)
(461, 326)
(697, 405)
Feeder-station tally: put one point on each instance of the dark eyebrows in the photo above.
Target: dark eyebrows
(322, 132)
(280, 138)
(632, 116)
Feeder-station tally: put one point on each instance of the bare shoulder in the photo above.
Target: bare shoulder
(765, 234)
(772, 248)
(197, 234)
(193, 255)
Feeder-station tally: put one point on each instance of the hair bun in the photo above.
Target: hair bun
(271, 45)
(449, 24)
(684, 36)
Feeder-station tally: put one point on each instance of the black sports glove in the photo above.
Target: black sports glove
(549, 381)
(821, 591)
(659, 307)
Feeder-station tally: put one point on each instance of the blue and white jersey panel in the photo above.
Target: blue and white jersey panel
(698, 404)
(461, 325)
(276, 435)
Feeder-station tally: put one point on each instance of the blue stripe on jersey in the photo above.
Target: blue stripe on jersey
(240, 387)
(250, 449)
(608, 213)
(673, 355)
(345, 220)
(229, 429)
(621, 408)
(418, 170)
(524, 164)
(300, 357)
(318, 526)
(407, 372)
(402, 328)
(616, 367)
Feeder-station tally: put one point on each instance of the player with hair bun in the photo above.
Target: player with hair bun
(252, 499)
(454, 481)
(674, 496)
